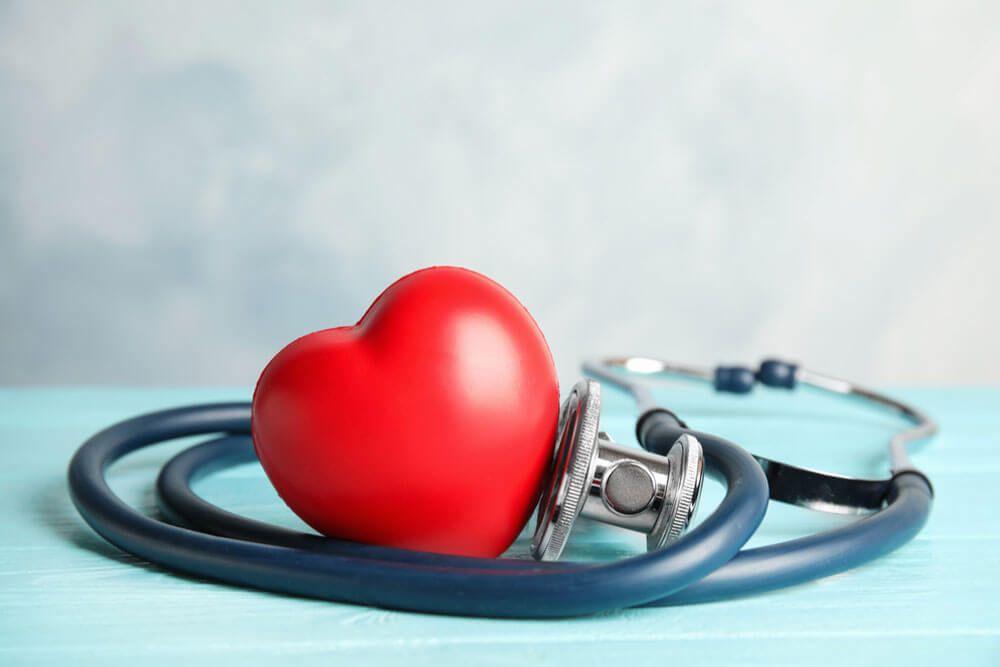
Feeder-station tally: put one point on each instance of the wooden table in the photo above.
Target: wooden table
(67, 597)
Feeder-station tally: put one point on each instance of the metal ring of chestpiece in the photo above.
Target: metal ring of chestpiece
(624, 487)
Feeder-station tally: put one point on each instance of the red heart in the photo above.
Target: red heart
(428, 425)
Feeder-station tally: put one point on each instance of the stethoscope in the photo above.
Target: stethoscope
(653, 490)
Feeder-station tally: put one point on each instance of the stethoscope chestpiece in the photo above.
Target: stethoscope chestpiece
(626, 487)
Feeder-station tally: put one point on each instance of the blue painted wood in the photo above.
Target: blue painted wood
(66, 597)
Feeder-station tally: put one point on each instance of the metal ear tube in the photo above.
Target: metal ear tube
(630, 488)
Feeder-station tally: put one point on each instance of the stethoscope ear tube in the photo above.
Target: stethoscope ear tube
(386, 578)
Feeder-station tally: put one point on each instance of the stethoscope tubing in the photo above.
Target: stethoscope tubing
(752, 571)
(384, 577)
(805, 559)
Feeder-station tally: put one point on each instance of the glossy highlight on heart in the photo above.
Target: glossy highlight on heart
(428, 425)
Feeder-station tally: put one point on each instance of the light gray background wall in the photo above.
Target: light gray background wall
(184, 187)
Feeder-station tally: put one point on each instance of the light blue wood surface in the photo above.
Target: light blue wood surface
(66, 597)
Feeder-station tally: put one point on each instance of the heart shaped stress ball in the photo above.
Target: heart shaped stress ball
(428, 425)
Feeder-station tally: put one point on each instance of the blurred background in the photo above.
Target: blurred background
(186, 187)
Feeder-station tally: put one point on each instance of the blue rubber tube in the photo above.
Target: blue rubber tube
(805, 559)
(438, 584)
(751, 571)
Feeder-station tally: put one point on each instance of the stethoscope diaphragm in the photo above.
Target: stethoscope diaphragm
(630, 488)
